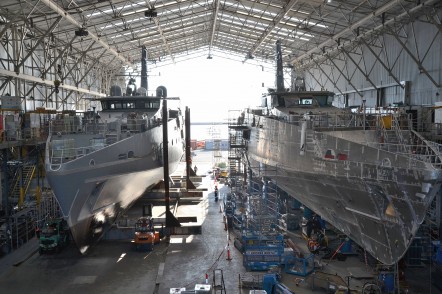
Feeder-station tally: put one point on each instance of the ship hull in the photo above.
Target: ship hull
(94, 189)
(377, 197)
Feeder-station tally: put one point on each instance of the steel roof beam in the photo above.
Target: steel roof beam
(63, 13)
(215, 16)
(79, 98)
(160, 31)
(164, 30)
(431, 19)
(359, 68)
(5, 83)
(103, 70)
(83, 55)
(67, 46)
(345, 77)
(39, 41)
(90, 67)
(418, 63)
(7, 26)
(270, 28)
(353, 27)
(390, 73)
(29, 78)
(330, 79)
(281, 24)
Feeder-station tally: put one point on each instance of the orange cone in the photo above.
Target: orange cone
(228, 253)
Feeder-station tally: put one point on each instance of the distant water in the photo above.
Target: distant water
(209, 131)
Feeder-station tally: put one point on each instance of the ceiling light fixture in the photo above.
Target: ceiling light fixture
(151, 12)
(81, 32)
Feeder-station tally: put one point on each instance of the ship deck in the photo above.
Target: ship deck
(181, 261)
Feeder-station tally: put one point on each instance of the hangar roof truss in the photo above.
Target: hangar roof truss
(177, 28)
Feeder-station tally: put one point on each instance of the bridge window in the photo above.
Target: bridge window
(115, 105)
(128, 105)
(308, 101)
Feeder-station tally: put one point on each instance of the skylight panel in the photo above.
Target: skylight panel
(144, 8)
(121, 23)
(297, 32)
(297, 20)
(254, 15)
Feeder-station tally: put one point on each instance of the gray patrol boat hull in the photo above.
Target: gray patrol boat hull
(374, 192)
(94, 188)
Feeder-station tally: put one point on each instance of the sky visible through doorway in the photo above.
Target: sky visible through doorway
(212, 87)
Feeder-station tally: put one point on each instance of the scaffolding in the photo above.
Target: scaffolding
(263, 244)
(426, 244)
(261, 241)
(47, 207)
(20, 226)
(218, 281)
(215, 134)
(237, 145)
(236, 168)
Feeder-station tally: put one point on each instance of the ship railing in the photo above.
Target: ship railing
(103, 127)
(389, 130)
(389, 126)
(64, 127)
(141, 125)
(132, 125)
(105, 133)
(63, 155)
(94, 128)
(236, 117)
(341, 121)
(429, 152)
(434, 149)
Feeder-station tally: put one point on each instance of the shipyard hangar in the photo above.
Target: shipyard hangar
(328, 182)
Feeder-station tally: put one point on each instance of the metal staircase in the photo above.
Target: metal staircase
(20, 183)
(390, 129)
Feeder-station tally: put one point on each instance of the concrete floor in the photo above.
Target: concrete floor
(181, 261)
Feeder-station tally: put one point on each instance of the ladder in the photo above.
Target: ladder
(218, 281)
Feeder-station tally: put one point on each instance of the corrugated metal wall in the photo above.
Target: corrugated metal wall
(422, 39)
